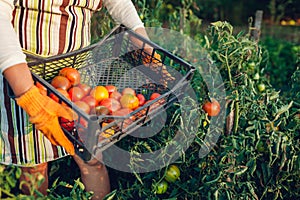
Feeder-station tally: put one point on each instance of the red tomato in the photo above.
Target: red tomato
(68, 125)
(111, 88)
(85, 88)
(72, 74)
(76, 93)
(100, 110)
(83, 123)
(108, 132)
(124, 112)
(61, 82)
(129, 101)
(141, 98)
(148, 101)
(42, 89)
(154, 95)
(83, 106)
(153, 106)
(116, 95)
(91, 101)
(61, 91)
(111, 103)
(128, 91)
(212, 108)
(99, 93)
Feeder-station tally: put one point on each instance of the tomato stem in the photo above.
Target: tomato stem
(228, 69)
(236, 113)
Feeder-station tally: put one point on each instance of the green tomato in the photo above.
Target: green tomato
(251, 65)
(261, 147)
(144, 91)
(161, 187)
(256, 76)
(296, 48)
(261, 87)
(141, 16)
(172, 173)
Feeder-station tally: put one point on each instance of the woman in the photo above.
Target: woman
(46, 28)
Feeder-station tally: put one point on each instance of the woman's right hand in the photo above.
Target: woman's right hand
(43, 111)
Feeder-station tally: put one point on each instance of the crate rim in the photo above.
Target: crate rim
(44, 60)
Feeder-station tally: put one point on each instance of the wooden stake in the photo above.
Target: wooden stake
(257, 25)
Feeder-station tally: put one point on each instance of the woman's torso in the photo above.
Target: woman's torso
(51, 27)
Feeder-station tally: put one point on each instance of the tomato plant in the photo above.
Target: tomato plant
(252, 157)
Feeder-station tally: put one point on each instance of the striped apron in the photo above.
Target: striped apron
(45, 28)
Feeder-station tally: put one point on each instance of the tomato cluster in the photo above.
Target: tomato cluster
(97, 100)
(172, 174)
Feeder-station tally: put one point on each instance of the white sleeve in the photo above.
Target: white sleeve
(10, 48)
(124, 12)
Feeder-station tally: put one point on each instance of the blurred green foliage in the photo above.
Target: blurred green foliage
(283, 56)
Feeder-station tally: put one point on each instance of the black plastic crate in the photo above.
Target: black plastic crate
(115, 60)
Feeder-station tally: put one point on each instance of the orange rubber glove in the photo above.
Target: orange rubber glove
(44, 113)
(155, 62)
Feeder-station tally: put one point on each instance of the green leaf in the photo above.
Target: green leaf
(250, 128)
(11, 181)
(79, 183)
(111, 195)
(283, 109)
